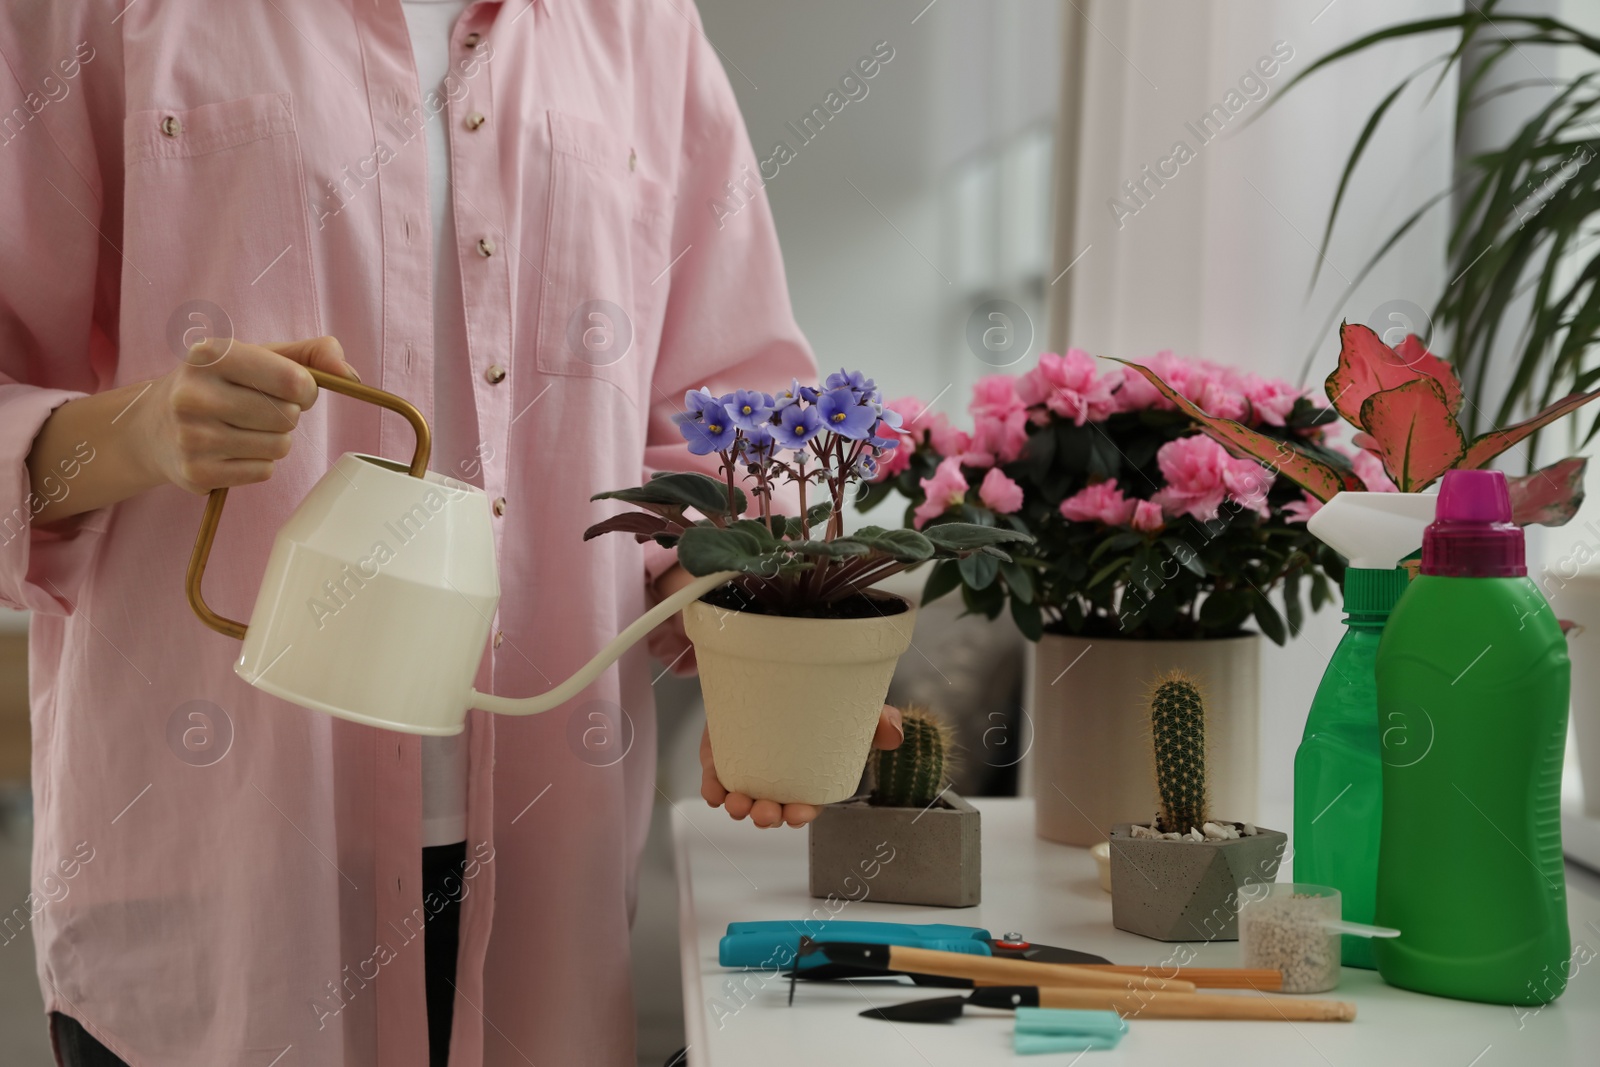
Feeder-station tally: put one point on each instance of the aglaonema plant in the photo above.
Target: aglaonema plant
(819, 440)
(1403, 403)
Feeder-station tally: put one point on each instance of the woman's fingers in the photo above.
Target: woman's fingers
(889, 734)
(798, 815)
(891, 731)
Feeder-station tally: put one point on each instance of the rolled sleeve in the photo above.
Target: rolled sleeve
(39, 568)
(728, 321)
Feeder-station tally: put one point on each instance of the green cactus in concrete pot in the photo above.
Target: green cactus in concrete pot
(912, 839)
(1178, 732)
(913, 775)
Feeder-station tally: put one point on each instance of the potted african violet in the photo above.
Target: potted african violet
(796, 653)
(1180, 878)
(933, 834)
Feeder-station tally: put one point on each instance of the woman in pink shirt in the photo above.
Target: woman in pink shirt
(200, 198)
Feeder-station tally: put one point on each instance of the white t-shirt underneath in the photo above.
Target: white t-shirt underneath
(444, 759)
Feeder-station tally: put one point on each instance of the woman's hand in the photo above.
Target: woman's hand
(224, 416)
(667, 642)
(220, 418)
(769, 813)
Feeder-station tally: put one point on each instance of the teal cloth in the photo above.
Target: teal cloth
(1033, 1044)
(1066, 1030)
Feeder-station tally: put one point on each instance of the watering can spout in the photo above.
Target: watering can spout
(607, 656)
(380, 592)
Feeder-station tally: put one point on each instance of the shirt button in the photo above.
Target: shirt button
(171, 126)
(485, 247)
(499, 636)
(633, 159)
(474, 120)
(471, 40)
(499, 505)
(495, 374)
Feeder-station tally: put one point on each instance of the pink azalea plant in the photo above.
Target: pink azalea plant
(1144, 527)
(1402, 403)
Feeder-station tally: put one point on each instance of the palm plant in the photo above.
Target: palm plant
(1525, 217)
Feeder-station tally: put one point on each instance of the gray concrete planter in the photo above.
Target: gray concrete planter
(932, 856)
(1187, 890)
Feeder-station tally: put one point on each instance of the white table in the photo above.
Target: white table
(732, 872)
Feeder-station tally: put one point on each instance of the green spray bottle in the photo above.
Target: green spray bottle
(1473, 683)
(1338, 769)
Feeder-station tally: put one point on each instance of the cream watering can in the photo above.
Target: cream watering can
(380, 592)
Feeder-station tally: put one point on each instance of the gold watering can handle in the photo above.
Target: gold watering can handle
(218, 497)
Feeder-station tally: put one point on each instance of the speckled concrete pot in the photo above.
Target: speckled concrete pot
(930, 856)
(1187, 890)
(792, 704)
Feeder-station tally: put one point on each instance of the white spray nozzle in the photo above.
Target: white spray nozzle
(1374, 531)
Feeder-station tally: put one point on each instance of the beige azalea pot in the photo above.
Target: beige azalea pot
(792, 704)
(1088, 703)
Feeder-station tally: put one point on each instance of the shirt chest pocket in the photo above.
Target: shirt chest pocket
(216, 237)
(605, 264)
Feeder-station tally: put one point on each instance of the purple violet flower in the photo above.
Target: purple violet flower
(704, 423)
(879, 441)
(794, 394)
(759, 446)
(844, 414)
(863, 387)
(749, 409)
(797, 426)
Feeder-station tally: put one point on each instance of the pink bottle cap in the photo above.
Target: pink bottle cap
(1472, 535)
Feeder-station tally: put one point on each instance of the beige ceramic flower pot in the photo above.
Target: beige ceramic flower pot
(1088, 703)
(792, 703)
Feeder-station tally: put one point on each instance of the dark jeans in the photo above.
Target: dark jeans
(78, 1048)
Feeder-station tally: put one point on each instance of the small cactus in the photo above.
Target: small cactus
(912, 776)
(1178, 729)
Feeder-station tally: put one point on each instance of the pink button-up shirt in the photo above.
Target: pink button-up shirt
(224, 878)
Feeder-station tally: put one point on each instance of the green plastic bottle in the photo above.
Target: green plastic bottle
(1338, 769)
(1473, 682)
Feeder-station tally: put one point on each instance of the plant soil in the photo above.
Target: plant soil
(859, 606)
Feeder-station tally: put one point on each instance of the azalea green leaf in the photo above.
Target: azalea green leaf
(1018, 581)
(945, 576)
(979, 571)
(1026, 614)
(1269, 620)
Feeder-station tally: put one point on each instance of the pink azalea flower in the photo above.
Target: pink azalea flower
(1100, 502)
(1069, 386)
(1194, 468)
(1248, 483)
(1000, 493)
(946, 439)
(1301, 510)
(998, 438)
(946, 489)
(1270, 398)
(1147, 517)
(1218, 397)
(995, 394)
(1188, 377)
